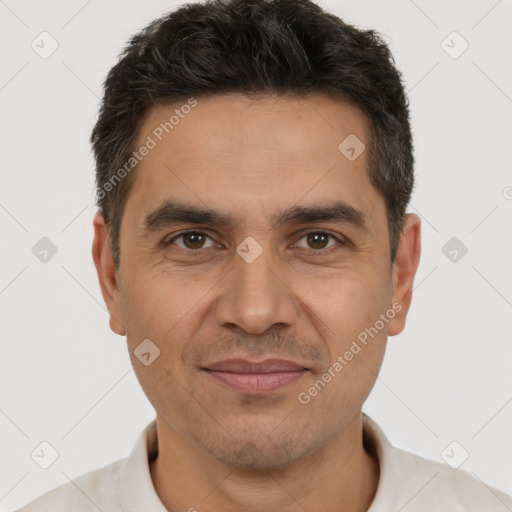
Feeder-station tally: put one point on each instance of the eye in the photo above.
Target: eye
(192, 240)
(318, 240)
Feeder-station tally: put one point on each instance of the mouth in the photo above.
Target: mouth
(255, 378)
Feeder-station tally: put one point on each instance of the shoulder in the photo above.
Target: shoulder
(432, 483)
(410, 482)
(98, 489)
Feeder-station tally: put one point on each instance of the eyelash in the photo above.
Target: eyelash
(197, 252)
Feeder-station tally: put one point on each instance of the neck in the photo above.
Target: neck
(342, 476)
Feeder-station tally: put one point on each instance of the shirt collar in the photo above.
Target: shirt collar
(136, 487)
(378, 445)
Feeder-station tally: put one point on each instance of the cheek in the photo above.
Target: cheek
(351, 306)
(347, 302)
(168, 310)
(158, 300)
(155, 308)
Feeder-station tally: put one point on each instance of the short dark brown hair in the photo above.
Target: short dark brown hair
(284, 47)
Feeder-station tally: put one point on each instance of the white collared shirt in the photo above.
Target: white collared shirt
(407, 483)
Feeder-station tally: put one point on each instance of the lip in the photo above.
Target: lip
(251, 377)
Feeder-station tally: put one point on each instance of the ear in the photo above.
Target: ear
(404, 270)
(107, 273)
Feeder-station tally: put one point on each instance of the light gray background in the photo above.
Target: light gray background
(67, 379)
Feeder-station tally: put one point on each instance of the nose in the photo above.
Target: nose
(256, 296)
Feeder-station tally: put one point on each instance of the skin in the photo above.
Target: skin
(219, 449)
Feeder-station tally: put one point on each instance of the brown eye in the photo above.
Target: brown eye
(318, 240)
(192, 240)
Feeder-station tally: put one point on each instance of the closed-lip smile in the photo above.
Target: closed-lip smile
(255, 377)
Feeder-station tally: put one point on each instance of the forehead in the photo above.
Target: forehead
(235, 124)
(232, 151)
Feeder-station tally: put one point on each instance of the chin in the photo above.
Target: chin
(261, 453)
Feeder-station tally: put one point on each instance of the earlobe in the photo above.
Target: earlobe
(107, 273)
(116, 327)
(404, 270)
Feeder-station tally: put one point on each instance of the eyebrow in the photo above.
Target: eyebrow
(175, 212)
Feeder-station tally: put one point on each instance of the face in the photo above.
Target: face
(263, 293)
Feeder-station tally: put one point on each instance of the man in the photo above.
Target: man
(254, 164)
